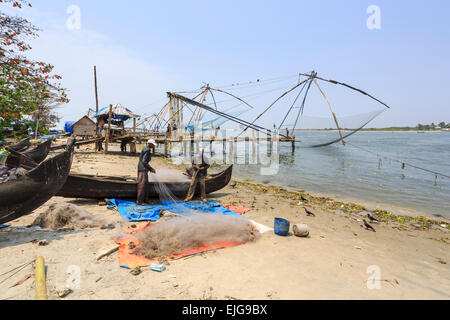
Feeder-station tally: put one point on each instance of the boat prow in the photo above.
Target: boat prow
(21, 196)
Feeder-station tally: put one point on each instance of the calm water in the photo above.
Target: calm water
(350, 173)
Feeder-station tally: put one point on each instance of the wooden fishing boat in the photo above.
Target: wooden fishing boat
(36, 154)
(40, 152)
(96, 187)
(22, 145)
(21, 196)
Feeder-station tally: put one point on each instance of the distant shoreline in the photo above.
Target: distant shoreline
(370, 130)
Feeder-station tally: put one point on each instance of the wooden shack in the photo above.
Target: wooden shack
(84, 127)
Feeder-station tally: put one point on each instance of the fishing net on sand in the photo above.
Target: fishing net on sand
(178, 234)
(67, 216)
(166, 195)
(193, 229)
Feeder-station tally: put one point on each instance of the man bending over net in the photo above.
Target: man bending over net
(200, 170)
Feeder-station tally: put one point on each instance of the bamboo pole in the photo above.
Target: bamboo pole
(40, 280)
(204, 92)
(224, 150)
(109, 129)
(165, 149)
(253, 146)
(270, 140)
(237, 98)
(171, 112)
(235, 149)
(37, 123)
(96, 92)
(348, 86)
(231, 152)
(199, 113)
(99, 144)
(331, 109)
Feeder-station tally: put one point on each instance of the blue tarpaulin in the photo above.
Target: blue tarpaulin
(67, 126)
(46, 137)
(132, 212)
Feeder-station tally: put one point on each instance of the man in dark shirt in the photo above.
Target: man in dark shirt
(143, 169)
(200, 166)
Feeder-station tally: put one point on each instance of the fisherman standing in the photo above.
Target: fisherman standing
(200, 170)
(143, 169)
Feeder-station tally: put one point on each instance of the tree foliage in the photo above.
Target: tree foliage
(25, 85)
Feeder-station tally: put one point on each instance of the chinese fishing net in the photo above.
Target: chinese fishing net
(297, 103)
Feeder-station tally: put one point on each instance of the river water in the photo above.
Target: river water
(349, 173)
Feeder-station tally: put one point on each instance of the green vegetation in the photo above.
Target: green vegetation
(27, 87)
(419, 127)
(347, 207)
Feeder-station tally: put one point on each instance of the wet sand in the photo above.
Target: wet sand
(331, 264)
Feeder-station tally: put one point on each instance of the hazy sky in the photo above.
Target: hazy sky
(143, 49)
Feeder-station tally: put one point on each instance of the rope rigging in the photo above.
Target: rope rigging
(204, 105)
(403, 163)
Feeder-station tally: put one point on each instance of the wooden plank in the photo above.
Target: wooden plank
(79, 143)
(109, 129)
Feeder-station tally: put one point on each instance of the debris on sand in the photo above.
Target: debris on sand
(108, 251)
(157, 267)
(301, 230)
(136, 271)
(66, 215)
(190, 232)
(63, 292)
(18, 283)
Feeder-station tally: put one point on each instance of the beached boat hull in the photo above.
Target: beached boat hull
(90, 187)
(37, 154)
(21, 196)
(40, 152)
(21, 145)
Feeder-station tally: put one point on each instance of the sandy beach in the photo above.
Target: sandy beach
(334, 262)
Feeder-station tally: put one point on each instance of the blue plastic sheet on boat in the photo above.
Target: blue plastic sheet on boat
(4, 226)
(132, 212)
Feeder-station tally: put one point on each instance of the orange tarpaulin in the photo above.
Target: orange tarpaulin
(238, 209)
(130, 260)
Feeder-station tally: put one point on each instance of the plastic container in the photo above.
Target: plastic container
(157, 267)
(281, 227)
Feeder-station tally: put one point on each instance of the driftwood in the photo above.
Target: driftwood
(108, 252)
